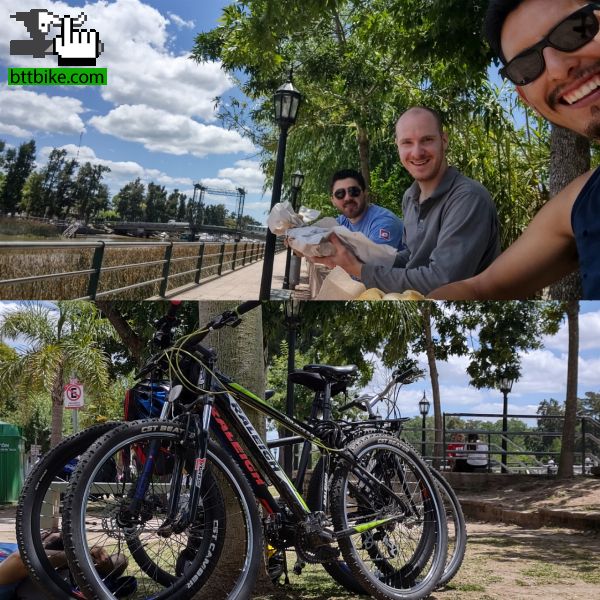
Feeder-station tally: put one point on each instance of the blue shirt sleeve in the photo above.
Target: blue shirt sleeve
(386, 229)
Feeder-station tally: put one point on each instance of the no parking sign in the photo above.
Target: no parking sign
(73, 394)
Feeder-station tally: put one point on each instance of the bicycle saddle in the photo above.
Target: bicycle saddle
(333, 373)
(316, 382)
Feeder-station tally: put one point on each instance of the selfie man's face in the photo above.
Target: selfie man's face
(421, 145)
(567, 93)
(351, 206)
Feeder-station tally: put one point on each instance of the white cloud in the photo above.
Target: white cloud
(589, 334)
(161, 131)
(246, 174)
(179, 22)
(25, 112)
(121, 172)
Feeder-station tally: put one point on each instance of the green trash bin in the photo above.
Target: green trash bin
(11, 463)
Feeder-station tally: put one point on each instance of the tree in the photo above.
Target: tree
(90, 194)
(567, 452)
(18, 166)
(129, 201)
(32, 196)
(60, 340)
(590, 404)
(156, 203)
(505, 329)
(547, 443)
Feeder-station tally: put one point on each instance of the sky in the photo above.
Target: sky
(544, 374)
(155, 119)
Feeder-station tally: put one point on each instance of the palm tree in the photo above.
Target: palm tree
(59, 341)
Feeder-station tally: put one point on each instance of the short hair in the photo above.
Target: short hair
(434, 113)
(347, 174)
(496, 14)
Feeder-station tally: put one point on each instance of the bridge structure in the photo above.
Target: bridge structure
(146, 229)
(196, 208)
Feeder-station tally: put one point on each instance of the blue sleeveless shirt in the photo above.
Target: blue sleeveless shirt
(585, 220)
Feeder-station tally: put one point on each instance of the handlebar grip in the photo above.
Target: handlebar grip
(247, 306)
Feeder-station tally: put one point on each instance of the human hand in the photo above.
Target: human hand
(342, 257)
(76, 46)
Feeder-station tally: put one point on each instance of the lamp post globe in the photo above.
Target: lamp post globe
(286, 102)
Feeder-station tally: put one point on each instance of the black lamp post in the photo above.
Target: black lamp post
(424, 410)
(505, 384)
(297, 181)
(287, 99)
(292, 321)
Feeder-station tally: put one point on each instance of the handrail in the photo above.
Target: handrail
(93, 269)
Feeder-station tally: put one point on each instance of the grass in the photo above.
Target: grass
(546, 574)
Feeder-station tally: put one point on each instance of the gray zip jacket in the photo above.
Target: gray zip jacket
(450, 236)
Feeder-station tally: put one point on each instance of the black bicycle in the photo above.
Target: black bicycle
(185, 486)
(327, 382)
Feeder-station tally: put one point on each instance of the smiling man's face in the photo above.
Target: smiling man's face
(567, 92)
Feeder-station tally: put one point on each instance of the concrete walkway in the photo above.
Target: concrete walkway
(241, 284)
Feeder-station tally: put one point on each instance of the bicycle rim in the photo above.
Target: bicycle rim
(457, 529)
(404, 556)
(164, 564)
(40, 507)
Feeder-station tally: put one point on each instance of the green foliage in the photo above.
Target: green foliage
(18, 165)
(504, 329)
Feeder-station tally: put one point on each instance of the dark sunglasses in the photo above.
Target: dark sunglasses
(353, 192)
(569, 35)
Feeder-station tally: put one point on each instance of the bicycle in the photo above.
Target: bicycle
(327, 382)
(148, 507)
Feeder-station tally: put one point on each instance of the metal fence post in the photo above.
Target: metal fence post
(97, 266)
(199, 263)
(166, 268)
(221, 259)
(583, 432)
(235, 250)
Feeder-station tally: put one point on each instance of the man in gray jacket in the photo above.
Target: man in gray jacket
(450, 221)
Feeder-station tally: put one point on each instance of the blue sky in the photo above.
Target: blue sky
(155, 119)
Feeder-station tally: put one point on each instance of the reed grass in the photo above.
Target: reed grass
(24, 262)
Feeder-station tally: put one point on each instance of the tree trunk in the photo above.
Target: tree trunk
(567, 452)
(435, 384)
(239, 353)
(128, 336)
(362, 137)
(57, 408)
(569, 158)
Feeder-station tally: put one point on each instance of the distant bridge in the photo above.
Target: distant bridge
(144, 229)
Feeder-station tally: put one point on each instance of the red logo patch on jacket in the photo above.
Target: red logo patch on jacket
(384, 234)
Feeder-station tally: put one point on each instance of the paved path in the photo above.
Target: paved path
(241, 284)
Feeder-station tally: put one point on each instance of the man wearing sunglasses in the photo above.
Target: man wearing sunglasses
(551, 52)
(349, 197)
(450, 221)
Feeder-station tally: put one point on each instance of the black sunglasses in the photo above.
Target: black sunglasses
(569, 35)
(353, 192)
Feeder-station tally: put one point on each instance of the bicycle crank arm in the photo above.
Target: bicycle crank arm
(363, 527)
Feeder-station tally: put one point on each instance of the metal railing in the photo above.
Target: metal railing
(94, 269)
(519, 458)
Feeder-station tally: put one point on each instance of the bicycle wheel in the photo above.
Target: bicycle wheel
(403, 557)
(338, 569)
(40, 508)
(457, 529)
(165, 563)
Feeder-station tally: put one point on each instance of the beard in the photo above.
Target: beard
(592, 129)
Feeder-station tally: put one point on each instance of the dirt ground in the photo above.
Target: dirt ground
(581, 494)
(502, 561)
(506, 561)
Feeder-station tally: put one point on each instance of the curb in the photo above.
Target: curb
(542, 517)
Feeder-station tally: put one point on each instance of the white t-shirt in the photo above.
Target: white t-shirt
(477, 456)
